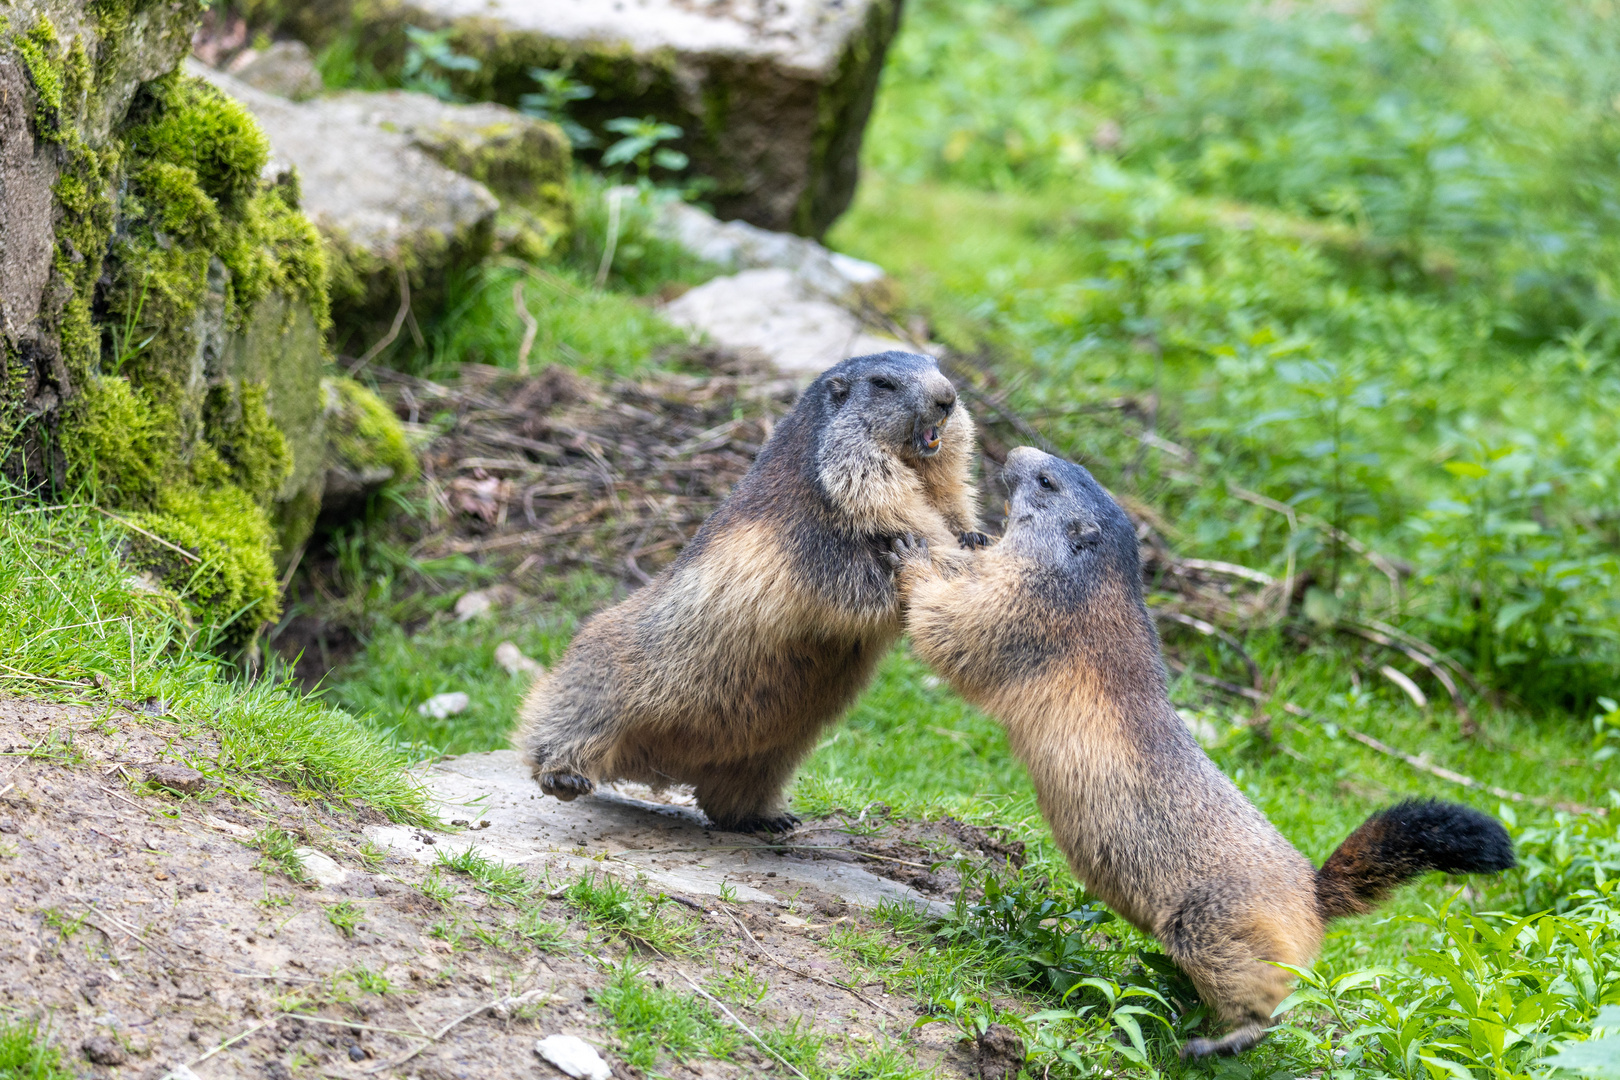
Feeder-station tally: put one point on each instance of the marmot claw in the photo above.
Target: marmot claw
(906, 548)
(566, 786)
(755, 823)
(972, 540)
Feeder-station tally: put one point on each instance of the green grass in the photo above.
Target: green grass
(278, 853)
(74, 620)
(499, 880)
(25, 1053)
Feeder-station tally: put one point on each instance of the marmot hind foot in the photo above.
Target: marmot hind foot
(973, 540)
(1236, 1041)
(780, 822)
(566, 786)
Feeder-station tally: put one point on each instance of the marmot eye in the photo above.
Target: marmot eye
(1046, 482)
(883, 384)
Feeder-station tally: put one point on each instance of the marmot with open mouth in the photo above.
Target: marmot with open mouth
(1048, 633)
(723, 671)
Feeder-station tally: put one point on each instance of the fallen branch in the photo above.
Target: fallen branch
(717, 1003)
(1465, 719)
(1458, 778)
(805, 974)
(393, 331)
(1209, 629)
(436, 1036)
(531, 327)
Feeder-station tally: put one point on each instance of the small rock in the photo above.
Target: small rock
(285, 69)
(574, 1056)
(1001, 1053)
(507, 1007)
(176, 778)
(510, 657)
(7, 825)
(321, 867)
(470, 605)
(775, 314)
(355, 1053)
(180, 1072)
(103, 1050)
(440, 706)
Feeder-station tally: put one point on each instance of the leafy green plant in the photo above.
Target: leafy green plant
(639, 143)
(619, 908)
(429, 60)
(557, 92)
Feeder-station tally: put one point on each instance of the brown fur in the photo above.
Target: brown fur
(1047, 632)
(723, 671)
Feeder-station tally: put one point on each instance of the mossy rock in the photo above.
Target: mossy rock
(385, 207)
(366, 449)
(164, 308)
(772, 110)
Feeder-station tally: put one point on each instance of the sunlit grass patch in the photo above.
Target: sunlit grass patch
(78, 626)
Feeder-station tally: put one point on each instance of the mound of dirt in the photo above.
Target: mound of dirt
(153, 927)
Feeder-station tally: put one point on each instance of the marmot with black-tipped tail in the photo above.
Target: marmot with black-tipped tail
(1047, 631)
(722, 671)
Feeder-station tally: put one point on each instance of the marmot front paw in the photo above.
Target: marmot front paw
(566, 786)
(904, 549)
(972, 540)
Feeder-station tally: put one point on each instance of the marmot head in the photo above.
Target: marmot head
(900, 400)
(1061, 518)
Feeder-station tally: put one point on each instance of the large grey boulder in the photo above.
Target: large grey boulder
(389, 179)
(772, 95)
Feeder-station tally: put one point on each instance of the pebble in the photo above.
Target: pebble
(574, 1056)
(440, 706)
(510, 657)
(473, 604)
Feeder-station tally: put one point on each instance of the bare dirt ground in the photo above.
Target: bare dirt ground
(144, 925)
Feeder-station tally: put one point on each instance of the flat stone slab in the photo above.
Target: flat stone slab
(778, 316)
(381, 201)
(667, 844)
(772, 96)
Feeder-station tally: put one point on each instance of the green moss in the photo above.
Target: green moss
(364, 433)
(122, 442)
(239, 428)
(40, 51)
(229, 580)
(192, 125)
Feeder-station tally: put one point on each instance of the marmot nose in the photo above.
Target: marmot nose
(946, 402)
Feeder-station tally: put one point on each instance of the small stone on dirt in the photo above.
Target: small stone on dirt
(1001, 1053)
(103, 1050)
(176, 778)
(574, 1056)
(7, 825)
(473, 604)
(355, 1053)
(440, 706)
(510, 657)
(321, 867)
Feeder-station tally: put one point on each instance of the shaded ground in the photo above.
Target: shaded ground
(159, 928)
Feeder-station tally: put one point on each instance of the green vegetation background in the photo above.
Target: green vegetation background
(1351, 259)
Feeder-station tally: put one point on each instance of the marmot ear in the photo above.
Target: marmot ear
(838, 389)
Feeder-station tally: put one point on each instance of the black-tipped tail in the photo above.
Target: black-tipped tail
(1410, 838)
